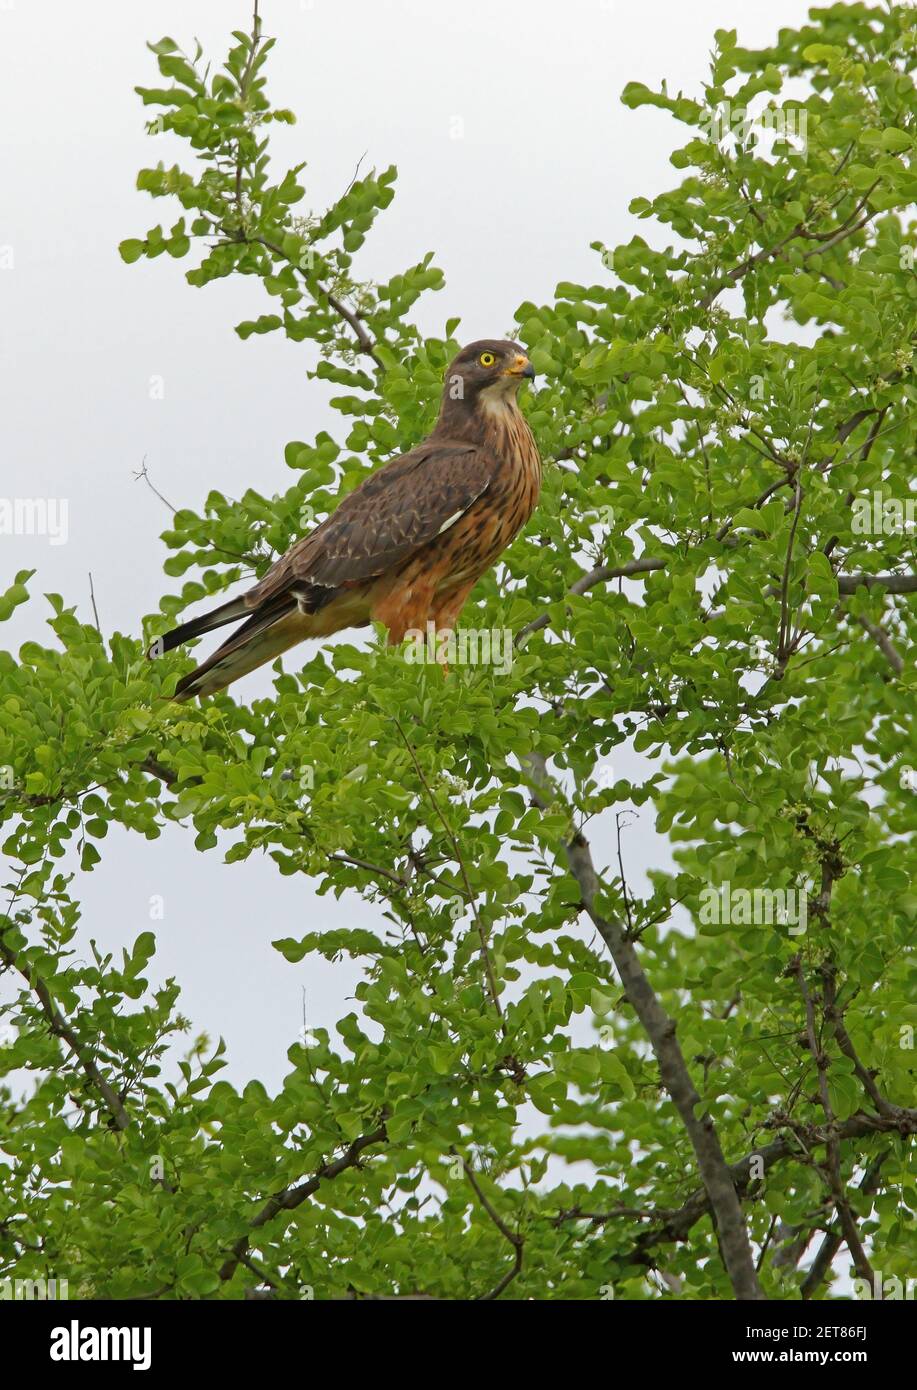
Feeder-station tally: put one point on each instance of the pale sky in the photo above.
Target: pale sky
(510, 108)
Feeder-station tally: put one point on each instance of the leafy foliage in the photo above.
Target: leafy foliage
(507, 1112)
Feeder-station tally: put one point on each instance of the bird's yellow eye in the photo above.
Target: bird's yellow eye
(487, 359)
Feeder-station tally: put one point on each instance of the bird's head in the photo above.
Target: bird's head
(487, 373)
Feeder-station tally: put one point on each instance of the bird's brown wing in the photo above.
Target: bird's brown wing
(385, 520)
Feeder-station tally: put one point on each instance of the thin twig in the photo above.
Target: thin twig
(515, 1240)
(143, 475)
(95, 611)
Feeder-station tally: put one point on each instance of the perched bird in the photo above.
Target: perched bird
(407, 546)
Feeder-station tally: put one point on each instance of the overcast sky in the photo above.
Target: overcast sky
(513, 151)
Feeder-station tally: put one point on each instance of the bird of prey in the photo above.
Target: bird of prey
(407, 546)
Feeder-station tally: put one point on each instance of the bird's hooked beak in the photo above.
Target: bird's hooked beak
(521, 367)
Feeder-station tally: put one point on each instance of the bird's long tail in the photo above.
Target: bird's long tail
(217, 617)
(263, 637)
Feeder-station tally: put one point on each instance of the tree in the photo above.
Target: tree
(551, 1087)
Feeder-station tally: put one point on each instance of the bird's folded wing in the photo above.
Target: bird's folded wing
(382, 522)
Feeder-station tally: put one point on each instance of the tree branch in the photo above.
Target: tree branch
(893, 583)
(883, 642)
(292, 1197)
(588, 581)
(832, 1241)
(834, 1015)
(62, 1029)
(660, 1028)
(833, 1165)
(675, 1227)
(365, 343)
(515, 1240)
